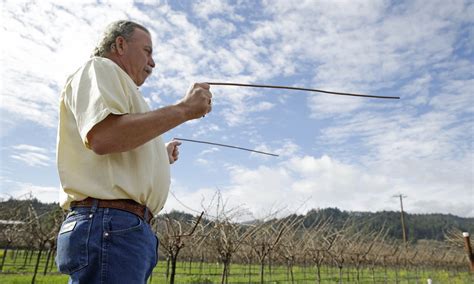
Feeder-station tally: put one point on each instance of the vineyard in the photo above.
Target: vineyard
(214, 248)
(16, 271)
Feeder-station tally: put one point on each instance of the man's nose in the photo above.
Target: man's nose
(151, 62)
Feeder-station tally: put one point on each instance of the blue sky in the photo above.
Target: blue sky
(345, 152)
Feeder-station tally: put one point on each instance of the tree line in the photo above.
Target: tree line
(418, 226)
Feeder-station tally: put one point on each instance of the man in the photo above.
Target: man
(112, 162)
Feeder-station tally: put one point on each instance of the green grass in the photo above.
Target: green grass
(239, 274)
(26, 278)
(18, 272)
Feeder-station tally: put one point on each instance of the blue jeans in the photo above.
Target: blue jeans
(104, 245)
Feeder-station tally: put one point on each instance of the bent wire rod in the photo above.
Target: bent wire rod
(299, 89)
(224, 145)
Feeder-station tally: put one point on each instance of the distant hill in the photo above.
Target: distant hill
(12, 208)
(418, 226)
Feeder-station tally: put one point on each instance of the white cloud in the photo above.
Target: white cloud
(22, 190)
(206, 8)
(206, 129)
(305, 182)
(418, 90)
(202, 162)
(239, 107)
(323, 106)
(193, 201)
(219, 27)
(209, 151)
(29, 148)
(46, 42)
(364, 46)
(355, 48)
(286, 148)
(32, 156)
(456, 97)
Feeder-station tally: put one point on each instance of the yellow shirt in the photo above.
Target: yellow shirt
(97, 89)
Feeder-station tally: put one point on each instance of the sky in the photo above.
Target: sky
(356, 154)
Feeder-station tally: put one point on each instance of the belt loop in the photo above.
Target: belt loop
(95, 204)
(145, 216)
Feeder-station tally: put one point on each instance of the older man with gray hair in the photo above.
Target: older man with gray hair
(112, 162)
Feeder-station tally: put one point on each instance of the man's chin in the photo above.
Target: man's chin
(140, 82)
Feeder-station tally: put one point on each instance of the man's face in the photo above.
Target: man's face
(137, 56)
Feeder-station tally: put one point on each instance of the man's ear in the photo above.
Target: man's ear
(120, 45)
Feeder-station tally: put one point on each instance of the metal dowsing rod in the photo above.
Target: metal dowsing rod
(299, 89)
(276, 87)
(225, 145)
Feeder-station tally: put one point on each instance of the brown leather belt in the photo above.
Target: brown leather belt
(122, 204)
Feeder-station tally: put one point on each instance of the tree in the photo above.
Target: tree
(174, 239)
(44, 229)
(264, 241)
(291, 244)
(319, 240)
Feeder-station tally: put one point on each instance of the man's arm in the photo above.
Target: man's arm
(120, 133)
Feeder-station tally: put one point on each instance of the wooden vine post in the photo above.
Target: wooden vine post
(468, 248)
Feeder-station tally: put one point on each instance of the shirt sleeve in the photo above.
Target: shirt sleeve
(97, 91)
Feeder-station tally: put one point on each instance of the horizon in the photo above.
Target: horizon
(344, 152)
(283, 216)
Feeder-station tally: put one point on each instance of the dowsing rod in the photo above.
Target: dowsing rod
(299, 89)
(275, 87)
(225, 145)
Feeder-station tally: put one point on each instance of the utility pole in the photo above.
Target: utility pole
(401, 196)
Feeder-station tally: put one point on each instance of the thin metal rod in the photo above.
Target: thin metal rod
(300, 89)
(224, 145)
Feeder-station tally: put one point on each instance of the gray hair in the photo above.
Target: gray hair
(122, 28)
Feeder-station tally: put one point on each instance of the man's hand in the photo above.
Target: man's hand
(198, 101)
(173, 151)
(121, 133)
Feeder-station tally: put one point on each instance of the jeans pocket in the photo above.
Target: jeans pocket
(123, 223)
(72, 245)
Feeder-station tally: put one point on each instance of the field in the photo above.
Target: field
(21, 270)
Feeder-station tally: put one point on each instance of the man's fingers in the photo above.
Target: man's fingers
(205, 86)
(199, 100)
